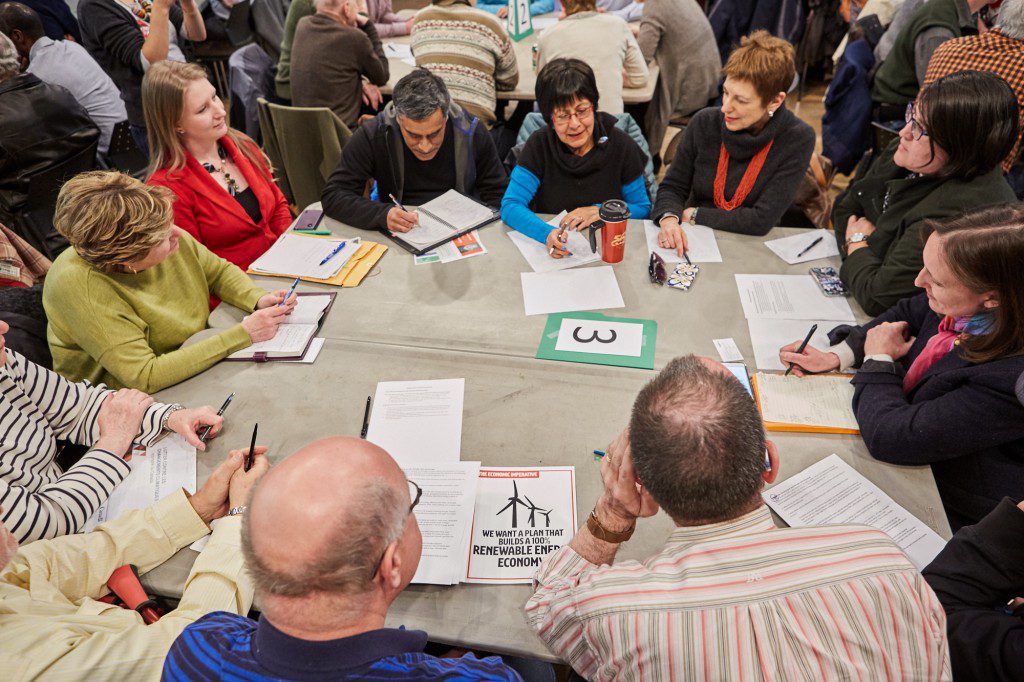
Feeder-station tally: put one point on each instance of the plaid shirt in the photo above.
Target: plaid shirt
(991, 51)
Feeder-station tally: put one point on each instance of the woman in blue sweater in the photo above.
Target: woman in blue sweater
(579, 160)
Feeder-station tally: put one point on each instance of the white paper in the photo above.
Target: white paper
(768, 336)
(787, 248)
(831, 492)
(309, 358)
(728, 350)
(739, 370)
(536, 253)
(600, 336)
(418, 421)
(440, 215)
(156, 472)
(824, 400)
(450, 251)
(299, 255)
(308, 309)
(290, 339)
(789, 297)
(522, 515)
(702, 246)
(445, 518)
(565, 291)
(397, 50)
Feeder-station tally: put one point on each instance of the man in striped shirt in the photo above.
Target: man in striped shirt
(730, 596)
(37, 407)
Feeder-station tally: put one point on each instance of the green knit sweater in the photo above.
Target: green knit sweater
(126, 330)
(283, 78)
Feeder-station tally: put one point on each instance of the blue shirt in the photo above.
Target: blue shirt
(226, 646)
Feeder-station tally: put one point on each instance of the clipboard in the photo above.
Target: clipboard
(797, 428)
(456, 232)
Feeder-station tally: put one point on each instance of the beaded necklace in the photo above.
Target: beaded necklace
(142, 9)
(746, 182)
(211, 169)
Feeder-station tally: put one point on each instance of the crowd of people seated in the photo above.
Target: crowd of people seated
(930, 235)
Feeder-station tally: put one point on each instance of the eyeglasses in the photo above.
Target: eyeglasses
(415, 493)
(682, 276)
(583, 113)
(917, 130)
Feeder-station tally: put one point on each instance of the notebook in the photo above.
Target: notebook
(443, 219)
(821, 403)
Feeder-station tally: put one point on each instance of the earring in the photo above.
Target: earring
(770, 113)
(130, 267)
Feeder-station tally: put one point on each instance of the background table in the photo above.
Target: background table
(465, 319)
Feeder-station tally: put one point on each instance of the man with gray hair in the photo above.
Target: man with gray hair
(730, 596)
(330, 541)
(418, 148)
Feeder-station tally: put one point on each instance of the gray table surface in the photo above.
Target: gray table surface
(465, 319)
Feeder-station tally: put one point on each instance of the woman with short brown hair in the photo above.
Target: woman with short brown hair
(936, 376)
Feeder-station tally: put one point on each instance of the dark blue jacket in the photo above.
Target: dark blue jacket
(962, 418)
(732, 19)
(847, 120)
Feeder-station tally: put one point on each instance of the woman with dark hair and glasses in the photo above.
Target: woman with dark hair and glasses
(576, 162)
(945, 161)
(936, 376)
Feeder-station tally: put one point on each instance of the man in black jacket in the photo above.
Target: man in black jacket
(418, 148)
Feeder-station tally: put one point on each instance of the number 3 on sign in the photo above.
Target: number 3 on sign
(600, 336)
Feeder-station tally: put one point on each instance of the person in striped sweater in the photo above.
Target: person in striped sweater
(37, 407)
(730, 596)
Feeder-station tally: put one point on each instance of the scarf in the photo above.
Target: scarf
(950, 330)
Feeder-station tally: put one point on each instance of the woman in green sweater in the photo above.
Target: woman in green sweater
(134, 287)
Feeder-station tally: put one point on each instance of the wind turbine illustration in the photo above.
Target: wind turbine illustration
(547, 517)
(512, 502)
(533, 511)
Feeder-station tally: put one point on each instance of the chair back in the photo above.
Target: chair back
(272, 148)
(309, 141)
(239, 24)
(123, 154)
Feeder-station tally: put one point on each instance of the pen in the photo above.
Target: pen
(809, 247)
(317, 232)
(366, 419)
(803, 345)
(687, 257)
(294, 284)
(398, 203)
(252, 448)
(332, 254)
(220, 413)
(598, 453)
(561, 233)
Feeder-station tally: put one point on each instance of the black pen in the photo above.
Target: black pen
(366, 419)
(252, 448)
(803, 345)
(687, 257)
(810, 246)
(220, 413)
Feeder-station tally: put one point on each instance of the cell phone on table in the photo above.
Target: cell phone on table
(309, 219)
(829, 282)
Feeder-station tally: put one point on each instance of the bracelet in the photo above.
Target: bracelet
(237, 511)
(693, 216)
(171, 409)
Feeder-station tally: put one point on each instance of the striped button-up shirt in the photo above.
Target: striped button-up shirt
(744, 600)
(37, 407)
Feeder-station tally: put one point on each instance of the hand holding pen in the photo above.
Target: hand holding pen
(401, 219)
(220, 413)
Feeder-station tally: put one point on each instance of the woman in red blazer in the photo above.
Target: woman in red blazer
(226, 195)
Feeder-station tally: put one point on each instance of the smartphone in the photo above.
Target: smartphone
(829, 282)
(309, 219)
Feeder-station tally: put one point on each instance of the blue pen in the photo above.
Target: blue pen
(332, 254)
(598, 453)
(290, 291)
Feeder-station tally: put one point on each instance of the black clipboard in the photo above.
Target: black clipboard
(456, 233)
(262, 357)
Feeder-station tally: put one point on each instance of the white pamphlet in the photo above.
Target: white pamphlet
(788, 248)
(831, 492)
(445, 518)
(522, 515)
(401, 52)
(536, 253)
(460, 248)
(418, 421)
(824, 400)
(605, 337)
(789, 297)
(728, 350)
(308, 309)
(290, 339)
(565, 291)
(702, 246)
(768, 336)
(299, 255)
(156, 472)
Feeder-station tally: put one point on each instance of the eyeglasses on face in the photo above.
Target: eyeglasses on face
(582, 112)
(415, 493)
(917, 130)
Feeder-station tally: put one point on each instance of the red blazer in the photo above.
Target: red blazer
(205, 210)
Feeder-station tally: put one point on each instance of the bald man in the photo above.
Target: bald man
(330, 541)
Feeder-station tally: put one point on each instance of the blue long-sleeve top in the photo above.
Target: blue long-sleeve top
(536, 7)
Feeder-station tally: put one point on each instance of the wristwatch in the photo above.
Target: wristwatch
(602, 533)
(171, 409)
(237, 511)
(856, 238)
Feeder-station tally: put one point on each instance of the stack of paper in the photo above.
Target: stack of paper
(536, 254)
(418, 422)
(563, 291)
(789, 248)
(290, 341)
(832, 492)
(297, 255)
(820, 403)
(702, 246)
(445, 518)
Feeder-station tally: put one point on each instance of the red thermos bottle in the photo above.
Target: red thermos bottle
(614, 213)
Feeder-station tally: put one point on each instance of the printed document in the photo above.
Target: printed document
(824, 400)
(832, 492)
(702, 246)
(789, 297)
(536, 253)
(299, 255)
(768, 336)
(787, 248)
(445, 518)
(418, 421)
(290, 339)
(460, 248)
(563, 291)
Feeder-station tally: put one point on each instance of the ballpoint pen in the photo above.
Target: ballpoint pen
(809, 247)
(220, 413)
(366, 419)
(294, 284)
(561, 233)
(252, 448)
(803, 345)
(332, 254)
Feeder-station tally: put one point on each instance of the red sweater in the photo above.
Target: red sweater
(205, 210)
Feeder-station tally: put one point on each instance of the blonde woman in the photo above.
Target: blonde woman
(226, 196)
(134, 287)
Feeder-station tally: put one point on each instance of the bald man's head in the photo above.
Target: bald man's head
(321, 520)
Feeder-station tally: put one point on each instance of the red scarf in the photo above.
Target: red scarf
(950, 329)
(746, 183)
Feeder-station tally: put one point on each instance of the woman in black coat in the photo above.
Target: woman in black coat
(936, 376)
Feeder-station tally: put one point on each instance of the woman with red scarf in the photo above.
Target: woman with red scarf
(936, 372)
(740, 165)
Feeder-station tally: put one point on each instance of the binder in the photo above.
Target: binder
(796, 428)
(488, 216)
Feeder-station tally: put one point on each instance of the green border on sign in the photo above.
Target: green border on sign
(547, 351)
